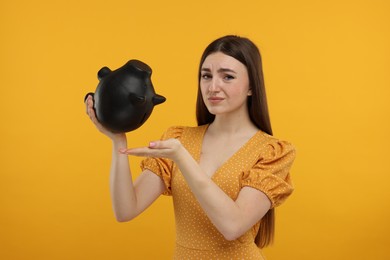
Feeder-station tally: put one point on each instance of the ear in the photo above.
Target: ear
(250, 92)
(103, 72)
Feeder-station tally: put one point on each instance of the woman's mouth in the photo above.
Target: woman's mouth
(215, 100)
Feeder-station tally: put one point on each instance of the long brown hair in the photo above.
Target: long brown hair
(245, 51)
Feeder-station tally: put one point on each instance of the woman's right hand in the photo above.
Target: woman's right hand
(115, 137)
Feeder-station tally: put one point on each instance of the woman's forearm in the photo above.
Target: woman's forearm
(128, 199)
(123, 196)
(231, 218)
(223, 212)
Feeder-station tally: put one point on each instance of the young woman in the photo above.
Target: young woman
(226, 175)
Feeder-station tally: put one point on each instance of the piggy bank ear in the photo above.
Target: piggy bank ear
(103, 72)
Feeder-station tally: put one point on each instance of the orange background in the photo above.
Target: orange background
(326, 67)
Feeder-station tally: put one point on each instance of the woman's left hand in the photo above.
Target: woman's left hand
(170, 148)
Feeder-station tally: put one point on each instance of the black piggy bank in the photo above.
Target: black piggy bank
(125, 97)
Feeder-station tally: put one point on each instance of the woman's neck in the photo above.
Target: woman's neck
(230, 125)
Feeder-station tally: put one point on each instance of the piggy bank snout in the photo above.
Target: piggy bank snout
(158, 99)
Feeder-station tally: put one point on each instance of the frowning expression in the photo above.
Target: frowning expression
(224, 84)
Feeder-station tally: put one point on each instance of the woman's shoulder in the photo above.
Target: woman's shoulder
(267, 138)
(271, 145)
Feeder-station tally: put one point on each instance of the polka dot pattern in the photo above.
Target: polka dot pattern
(262, 163)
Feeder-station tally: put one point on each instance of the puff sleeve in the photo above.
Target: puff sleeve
(162, 167)
(271, 173)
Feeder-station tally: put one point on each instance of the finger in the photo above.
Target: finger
(165, 144)
(86, 105)
(140, 151)
(92, 116)
(90, 109)
(91, 113)
(89, 102)
(153, 144)
(90, 94)
(122, 150)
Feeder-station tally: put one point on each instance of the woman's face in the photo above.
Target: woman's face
(224, 84)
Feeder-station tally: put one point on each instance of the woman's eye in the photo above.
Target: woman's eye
(228, 77)
(206, 76)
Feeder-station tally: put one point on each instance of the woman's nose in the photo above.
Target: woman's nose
(214, 85)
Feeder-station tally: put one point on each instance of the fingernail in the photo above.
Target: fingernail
(152, 144)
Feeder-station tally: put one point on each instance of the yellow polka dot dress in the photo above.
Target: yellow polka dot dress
(262, 163)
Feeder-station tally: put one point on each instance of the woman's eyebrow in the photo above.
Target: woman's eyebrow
(226, 70)
(219, 70)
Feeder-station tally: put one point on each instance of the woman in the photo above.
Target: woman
(226, 175)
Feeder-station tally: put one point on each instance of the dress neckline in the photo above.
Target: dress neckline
(236, 155)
